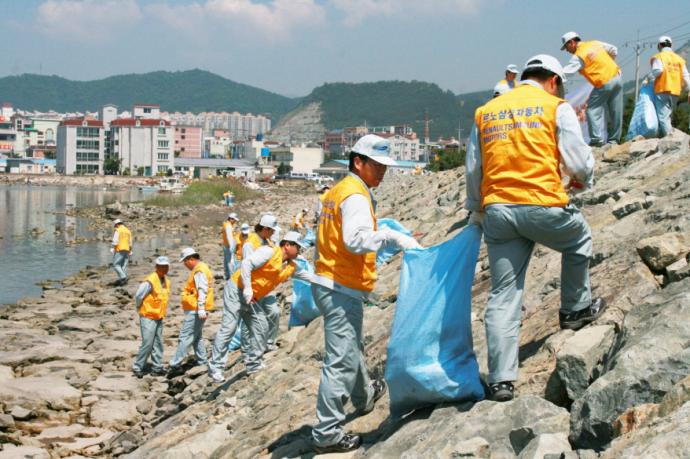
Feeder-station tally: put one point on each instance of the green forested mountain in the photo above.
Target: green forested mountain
(396, 102)
(191, 90)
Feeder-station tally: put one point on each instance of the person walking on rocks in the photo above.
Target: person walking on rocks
(345, 273)
(670, 74)
(151, 300)
(319, 203)
(269, 312)
(121, 250)
(197, 301)
(595, 60)
(518, 145)
(228, 234)
(258, 275)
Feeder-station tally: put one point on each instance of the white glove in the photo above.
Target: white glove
(112, 250)
(248, 294)
(403, 241)
(477, 218)
(202, 314)
(645, 82)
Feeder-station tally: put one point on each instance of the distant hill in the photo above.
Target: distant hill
(395, 102)
(191, 90)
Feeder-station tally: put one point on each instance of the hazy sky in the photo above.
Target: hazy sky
(292, 46)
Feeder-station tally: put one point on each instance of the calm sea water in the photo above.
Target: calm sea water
(37, 237)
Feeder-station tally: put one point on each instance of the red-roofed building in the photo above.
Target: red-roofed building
(145, 144)
(80, 144)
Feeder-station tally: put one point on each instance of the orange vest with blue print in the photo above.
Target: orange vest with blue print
(336, 262)
(671, 79)
(268, 276)
(189, 297)
(599, 67)
(155, 304)
(520, 157)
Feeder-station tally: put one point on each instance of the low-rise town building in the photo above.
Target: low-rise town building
(80, 144)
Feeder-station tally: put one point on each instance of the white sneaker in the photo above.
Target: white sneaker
(217, 377)
(261, 366)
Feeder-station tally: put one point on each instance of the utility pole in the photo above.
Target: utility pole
(639, 46)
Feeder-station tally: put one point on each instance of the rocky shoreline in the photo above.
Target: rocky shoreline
(114, 181)
(617, 388)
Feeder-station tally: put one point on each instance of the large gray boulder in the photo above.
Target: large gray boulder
(652, 356)
(507, 427)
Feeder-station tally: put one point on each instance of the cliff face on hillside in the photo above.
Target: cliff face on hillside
(619, 387)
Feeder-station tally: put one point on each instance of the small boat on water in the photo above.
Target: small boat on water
(171, 185)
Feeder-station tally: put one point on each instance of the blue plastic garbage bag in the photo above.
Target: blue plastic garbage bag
(388, 251)
(236, 340)
(430, 354)
(303, 308)
(644, 121)
(309, 238)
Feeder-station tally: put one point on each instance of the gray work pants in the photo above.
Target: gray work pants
(605, 106)
(120, 260)
(272, 311)
(254, 333)
(664, 103)
(191, 334)
(228, 326)
(228, 262)
(151, 344)
(344, 374)
(510, 232)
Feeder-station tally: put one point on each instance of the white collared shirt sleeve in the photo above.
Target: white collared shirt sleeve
(473, 172)
(359, 235)
(230, 237)
(686, 77)
(501, 88)
(143, 290)
(657, 69)
(116, 239)
(247, 250)
(573, 66)
(612, 50)
(202, 289)
(303, 274)
(255, 260)
(576, 155)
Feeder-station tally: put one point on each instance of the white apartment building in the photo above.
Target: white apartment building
(143, 145)
(80, 147)
(403, 147)
(302, 159)
(239, 126)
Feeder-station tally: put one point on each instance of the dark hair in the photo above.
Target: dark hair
(539, 74)
(665, 44)
(258, 228)
(282, 243)
(195, 255)
(353, 155)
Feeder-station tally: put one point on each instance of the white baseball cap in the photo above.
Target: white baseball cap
(512, 68)
(305, 210)
(544, 61)
(294, 236)
(567, 37)
(186, 253)
(376, 148)
(244, 229)
(233, 216)
(117, 221)
(162, 261)
(269, 221)
(665, 40)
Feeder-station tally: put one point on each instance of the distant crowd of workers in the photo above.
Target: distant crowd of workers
(520, 144)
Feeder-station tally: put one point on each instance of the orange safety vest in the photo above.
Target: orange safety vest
(268, 276)
(189, 296)
(599, 66)
(671, 79)
(224, 232)
(510, 84)
(155, 304)
(520, 157)
(239, 242)
(336, 262)
(124, 239)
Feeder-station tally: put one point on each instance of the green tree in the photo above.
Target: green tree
(445, 159)
(140, 170)
(284, 169)
(111, 166)
(169, 173)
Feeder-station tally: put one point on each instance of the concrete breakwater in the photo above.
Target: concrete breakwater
(617, 388)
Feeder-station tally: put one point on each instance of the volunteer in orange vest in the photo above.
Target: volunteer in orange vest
(240, 238)
(345, 273)
(121, 250)
(265, 233)
(197, 301)
(228, 235)
(152, 302)
(319, 203)
(670, 74)
(298, 222)
(595, 61)
(508, 83)
(258, 275)
(518, 145)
